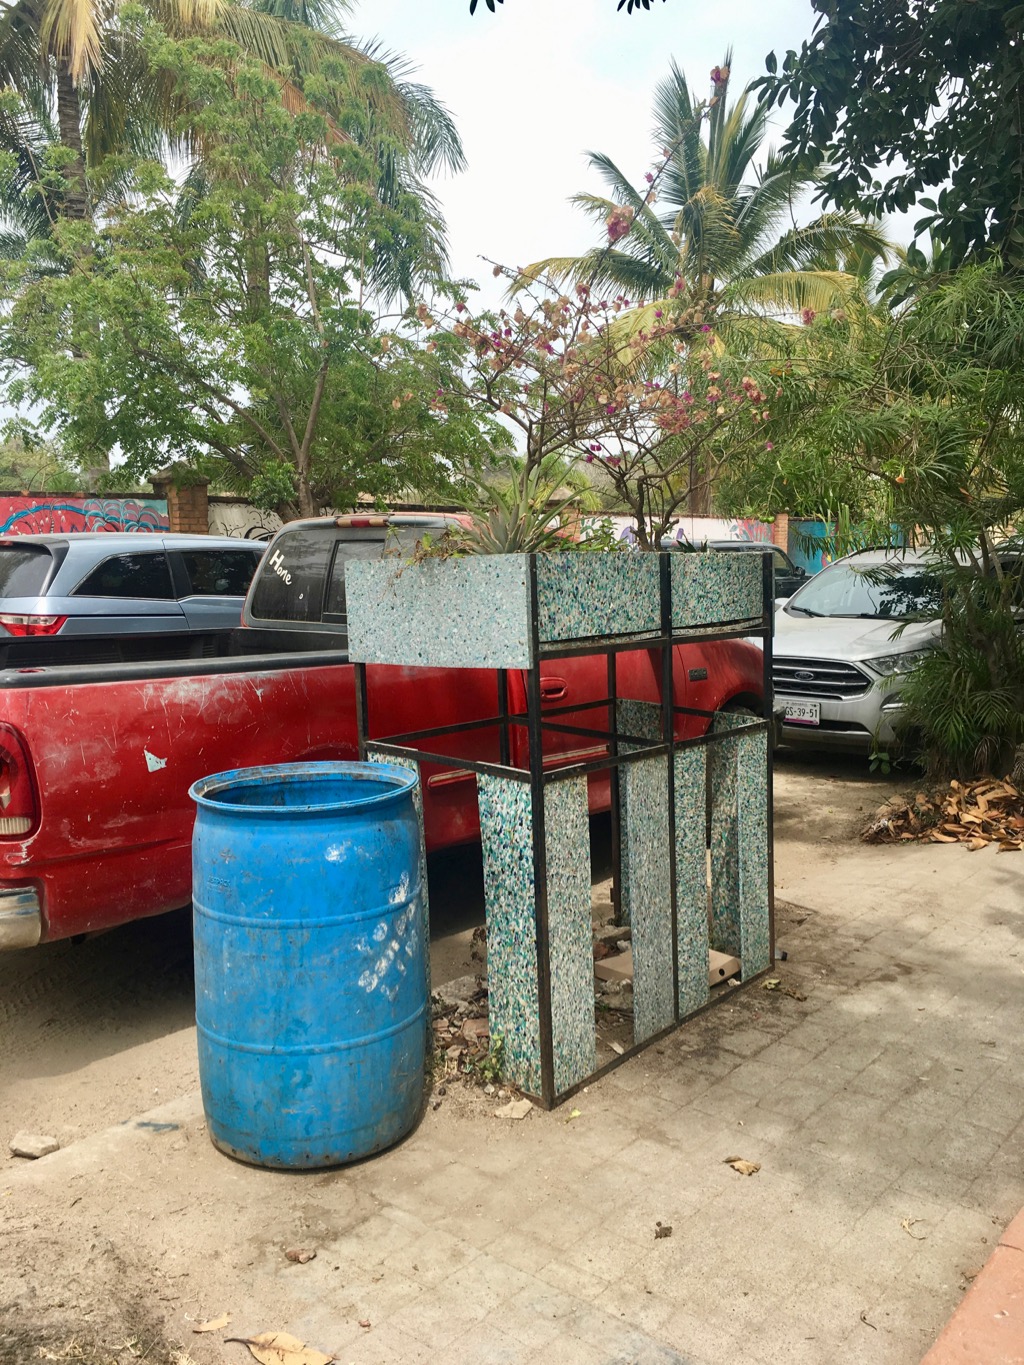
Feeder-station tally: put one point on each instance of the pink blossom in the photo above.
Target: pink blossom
(768, 445)
(618, 222)
(649, 177)
(808, 316)
(706, 327)
(658, 313)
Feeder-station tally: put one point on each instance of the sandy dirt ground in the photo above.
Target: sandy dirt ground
(99, 1032)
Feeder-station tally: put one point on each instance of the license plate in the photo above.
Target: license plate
(803, 713)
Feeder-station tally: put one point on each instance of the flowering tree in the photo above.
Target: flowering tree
(654, 413)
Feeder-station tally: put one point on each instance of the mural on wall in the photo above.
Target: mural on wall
(59, 514)
(236, 517)
(698, 530)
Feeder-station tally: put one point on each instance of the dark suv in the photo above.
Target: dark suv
(108, 583)
(788, 576)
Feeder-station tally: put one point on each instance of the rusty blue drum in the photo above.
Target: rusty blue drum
(312, 1001)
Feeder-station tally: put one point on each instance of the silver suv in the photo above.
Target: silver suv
(122, 583)
(836, 666)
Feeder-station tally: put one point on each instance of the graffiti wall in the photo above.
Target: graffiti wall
(59, 514)
(698, 530)
(236, 517)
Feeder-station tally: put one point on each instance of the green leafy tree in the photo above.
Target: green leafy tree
(917, 420)
(896, 99)
(238, 336)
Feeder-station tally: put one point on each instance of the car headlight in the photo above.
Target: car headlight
(886, 665)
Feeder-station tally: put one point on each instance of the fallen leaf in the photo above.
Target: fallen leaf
(772, 984)
(278, 1348)
(365, 1322)
(515, 1109)
(662, 1230)
(743, 1167)
(617, 1048)
(573, 1114)
(214, 1325)
(974, 844)
(907, 1224)
(300, 1254)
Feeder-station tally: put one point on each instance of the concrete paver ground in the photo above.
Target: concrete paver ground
(885, 1110)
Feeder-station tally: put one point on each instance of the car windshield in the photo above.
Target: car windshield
(885, 591)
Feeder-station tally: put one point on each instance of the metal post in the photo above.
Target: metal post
(768, 590)
(668, 736)
(613, 788)
(362, 711)
(503, 744)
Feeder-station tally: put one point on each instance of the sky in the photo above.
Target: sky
(539, 83)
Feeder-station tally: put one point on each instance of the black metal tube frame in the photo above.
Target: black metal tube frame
(538, 775)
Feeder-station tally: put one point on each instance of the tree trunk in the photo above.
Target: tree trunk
(698, 500)
(307, 506)
(69, 122)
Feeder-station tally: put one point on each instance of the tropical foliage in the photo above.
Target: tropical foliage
(917, 420)
(88, 94)
(898, 99)
(238, 336)
(710, 222)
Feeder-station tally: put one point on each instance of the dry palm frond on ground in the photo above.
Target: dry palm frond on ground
(989, 811)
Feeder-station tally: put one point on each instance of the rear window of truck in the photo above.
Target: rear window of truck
(302, 576)
(290, 583)
(24, 570)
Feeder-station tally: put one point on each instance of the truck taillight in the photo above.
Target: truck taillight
(32, 625)
(19, 811)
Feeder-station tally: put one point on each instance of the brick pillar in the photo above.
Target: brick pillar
(187, 504)
(780, 531)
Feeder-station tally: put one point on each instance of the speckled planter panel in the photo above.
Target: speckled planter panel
(639, 718)
(647, 892)
(725, 866)
(570, 935)
(454, 613)
(740, 873)
(597, 594)
(642, 719)
(506, 835)
(417, 799)
(755, 874)
(714, 587)
(691, 879)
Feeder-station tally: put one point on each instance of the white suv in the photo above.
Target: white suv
(837, 667)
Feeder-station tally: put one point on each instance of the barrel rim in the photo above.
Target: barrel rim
(397, 782)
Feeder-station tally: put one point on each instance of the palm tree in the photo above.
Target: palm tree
(720, 227)
(79, 68)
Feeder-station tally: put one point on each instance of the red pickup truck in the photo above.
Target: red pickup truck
(96, 758)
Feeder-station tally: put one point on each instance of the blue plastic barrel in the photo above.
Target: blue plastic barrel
(311, 968)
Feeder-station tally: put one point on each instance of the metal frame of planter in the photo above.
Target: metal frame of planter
(667, 794)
